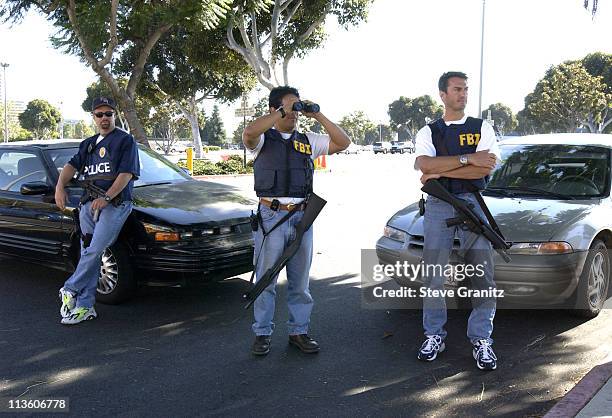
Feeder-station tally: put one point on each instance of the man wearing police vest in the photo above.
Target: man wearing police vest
(109, 159)
(461, 152)
(284, 169)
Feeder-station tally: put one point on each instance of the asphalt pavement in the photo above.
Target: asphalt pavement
(185, 351)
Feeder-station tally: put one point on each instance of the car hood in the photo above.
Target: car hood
(192, 202)
(519, 219)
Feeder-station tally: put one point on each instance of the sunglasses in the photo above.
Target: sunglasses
(108, 114)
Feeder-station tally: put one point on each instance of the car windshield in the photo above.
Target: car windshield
(154, 169)
(378, 144)
(553, 171)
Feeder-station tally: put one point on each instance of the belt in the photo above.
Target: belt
(289, 207)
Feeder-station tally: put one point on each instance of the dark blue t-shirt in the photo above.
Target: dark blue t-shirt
(117, 153)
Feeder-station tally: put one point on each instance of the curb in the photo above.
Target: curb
(577, 398)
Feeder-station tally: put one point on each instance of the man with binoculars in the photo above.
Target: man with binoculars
(284, 168)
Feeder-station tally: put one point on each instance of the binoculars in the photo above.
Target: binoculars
(305, 107)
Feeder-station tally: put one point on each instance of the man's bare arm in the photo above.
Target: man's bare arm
(439, 165)
(338, 139)
(253, 131)
(469, 172)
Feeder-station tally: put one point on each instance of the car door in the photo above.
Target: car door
(30, 225)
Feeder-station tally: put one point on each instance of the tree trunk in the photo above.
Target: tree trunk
(191, 113)
(136, 128)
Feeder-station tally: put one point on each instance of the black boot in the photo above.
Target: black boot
(304, 343)
(261, 346)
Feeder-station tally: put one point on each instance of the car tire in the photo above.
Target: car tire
(116, 283)
(592, 290)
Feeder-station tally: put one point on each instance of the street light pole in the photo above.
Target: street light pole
(481, 59)
(6, 128)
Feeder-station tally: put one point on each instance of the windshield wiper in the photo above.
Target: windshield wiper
(530, 190)
(154, 184)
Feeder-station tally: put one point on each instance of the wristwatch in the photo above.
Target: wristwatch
(463, 159)
(282, 111)
(107, 198)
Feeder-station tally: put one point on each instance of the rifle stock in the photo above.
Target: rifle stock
(467, 217)
(314, 205)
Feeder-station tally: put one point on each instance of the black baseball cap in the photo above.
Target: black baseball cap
(103, 101)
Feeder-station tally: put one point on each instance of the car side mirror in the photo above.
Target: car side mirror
(186, 170)
(35, 188)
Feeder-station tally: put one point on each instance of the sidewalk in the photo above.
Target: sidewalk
(591, 397)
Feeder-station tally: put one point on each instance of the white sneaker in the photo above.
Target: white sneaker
(484, 355)
(80, 314)
(430, 348)
(68, 302)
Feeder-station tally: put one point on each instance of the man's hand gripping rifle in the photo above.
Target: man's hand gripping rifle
(469, 219)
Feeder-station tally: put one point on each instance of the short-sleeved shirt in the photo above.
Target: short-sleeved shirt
(319, 144)
(116, 153)
(424, 144)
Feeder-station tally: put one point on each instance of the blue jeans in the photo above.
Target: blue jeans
(438, 244)
(84, 281)
(299, 300)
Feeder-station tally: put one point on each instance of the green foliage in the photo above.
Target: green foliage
(568, 97)
(237, 136)
(374, 135)
(356, 125)
(144, 103)
(504, 120)
(214, 132)
(233, 165)
(41, 118)
(409, 115)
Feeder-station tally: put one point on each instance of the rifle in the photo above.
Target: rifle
(468, 219)
(94, 192)
(314, 205)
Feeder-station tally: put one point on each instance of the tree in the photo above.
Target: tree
(409, 115)
(191, 65)
(68, 130)
(568, 97)
(504, 119)
(268, 34)
(166, 124)
(213, 131)
(380, 132)
(144, 104)
(83, 130)
(102, 33)
(593, 4)
(237, 136)
(16, 132)
(356, 126)
(40, 118)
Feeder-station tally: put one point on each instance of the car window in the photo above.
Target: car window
(574, 170)
(153, 167)
(18, 168)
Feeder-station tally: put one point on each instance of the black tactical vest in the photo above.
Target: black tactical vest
(458, 140)
(284, 167)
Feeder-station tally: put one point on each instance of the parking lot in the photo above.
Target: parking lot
(186, 351)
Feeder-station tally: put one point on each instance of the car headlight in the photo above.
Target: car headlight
(394, 234)
(541, 248)
(161, 233)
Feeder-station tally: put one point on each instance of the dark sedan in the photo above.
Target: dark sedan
(179, 229)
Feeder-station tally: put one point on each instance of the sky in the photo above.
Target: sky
(401, 50)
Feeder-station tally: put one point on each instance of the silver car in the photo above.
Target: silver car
(551, 199)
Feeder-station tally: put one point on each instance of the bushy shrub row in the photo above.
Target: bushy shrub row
(233, 165)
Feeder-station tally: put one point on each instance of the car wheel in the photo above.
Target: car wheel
(116, 282)
(592, 289)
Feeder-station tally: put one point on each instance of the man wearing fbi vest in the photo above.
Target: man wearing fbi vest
(460, 152)
(109, 159)
(284, 168)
